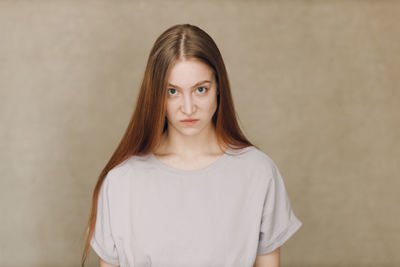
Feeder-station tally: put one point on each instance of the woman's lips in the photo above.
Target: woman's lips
(189, 122)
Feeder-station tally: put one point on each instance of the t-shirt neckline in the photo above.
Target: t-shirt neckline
(174, 170)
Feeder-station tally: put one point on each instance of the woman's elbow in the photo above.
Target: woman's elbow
(106, 264)
(271, 259)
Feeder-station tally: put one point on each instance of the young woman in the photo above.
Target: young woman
(185, 187)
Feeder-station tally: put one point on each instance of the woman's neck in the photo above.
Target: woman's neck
(205, 143)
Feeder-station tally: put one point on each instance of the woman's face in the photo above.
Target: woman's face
(191, 94)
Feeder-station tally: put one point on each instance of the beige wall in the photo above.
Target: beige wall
(315, 85)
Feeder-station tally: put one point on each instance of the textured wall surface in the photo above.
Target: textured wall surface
(315, 85)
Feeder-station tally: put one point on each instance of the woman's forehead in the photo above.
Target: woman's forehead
(187, 73)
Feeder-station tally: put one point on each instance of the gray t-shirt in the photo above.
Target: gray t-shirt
(151, 214)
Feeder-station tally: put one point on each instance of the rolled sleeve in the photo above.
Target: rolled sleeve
(278, 221)
(102, 240)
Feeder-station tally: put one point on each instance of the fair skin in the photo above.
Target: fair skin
(271, 259)
(192, 94)
(106, 264)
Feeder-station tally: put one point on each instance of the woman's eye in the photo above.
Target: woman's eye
(172, 90)
(203, 89)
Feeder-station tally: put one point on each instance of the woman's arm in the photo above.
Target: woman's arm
(106, 264)
(268, 260)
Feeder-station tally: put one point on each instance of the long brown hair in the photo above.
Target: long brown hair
(148, 121)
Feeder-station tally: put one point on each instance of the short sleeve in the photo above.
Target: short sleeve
(278, 221)
(102, 240)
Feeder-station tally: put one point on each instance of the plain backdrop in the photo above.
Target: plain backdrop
(315, 86)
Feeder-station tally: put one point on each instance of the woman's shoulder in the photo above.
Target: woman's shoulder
(251, 152)
(254, 158)
(120, 176)
(123, 168)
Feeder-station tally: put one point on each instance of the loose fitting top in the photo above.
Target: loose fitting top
(152, 214)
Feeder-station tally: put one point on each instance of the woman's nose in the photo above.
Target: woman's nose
(188, 105)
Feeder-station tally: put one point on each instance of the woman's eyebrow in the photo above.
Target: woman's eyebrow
(205, 81)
